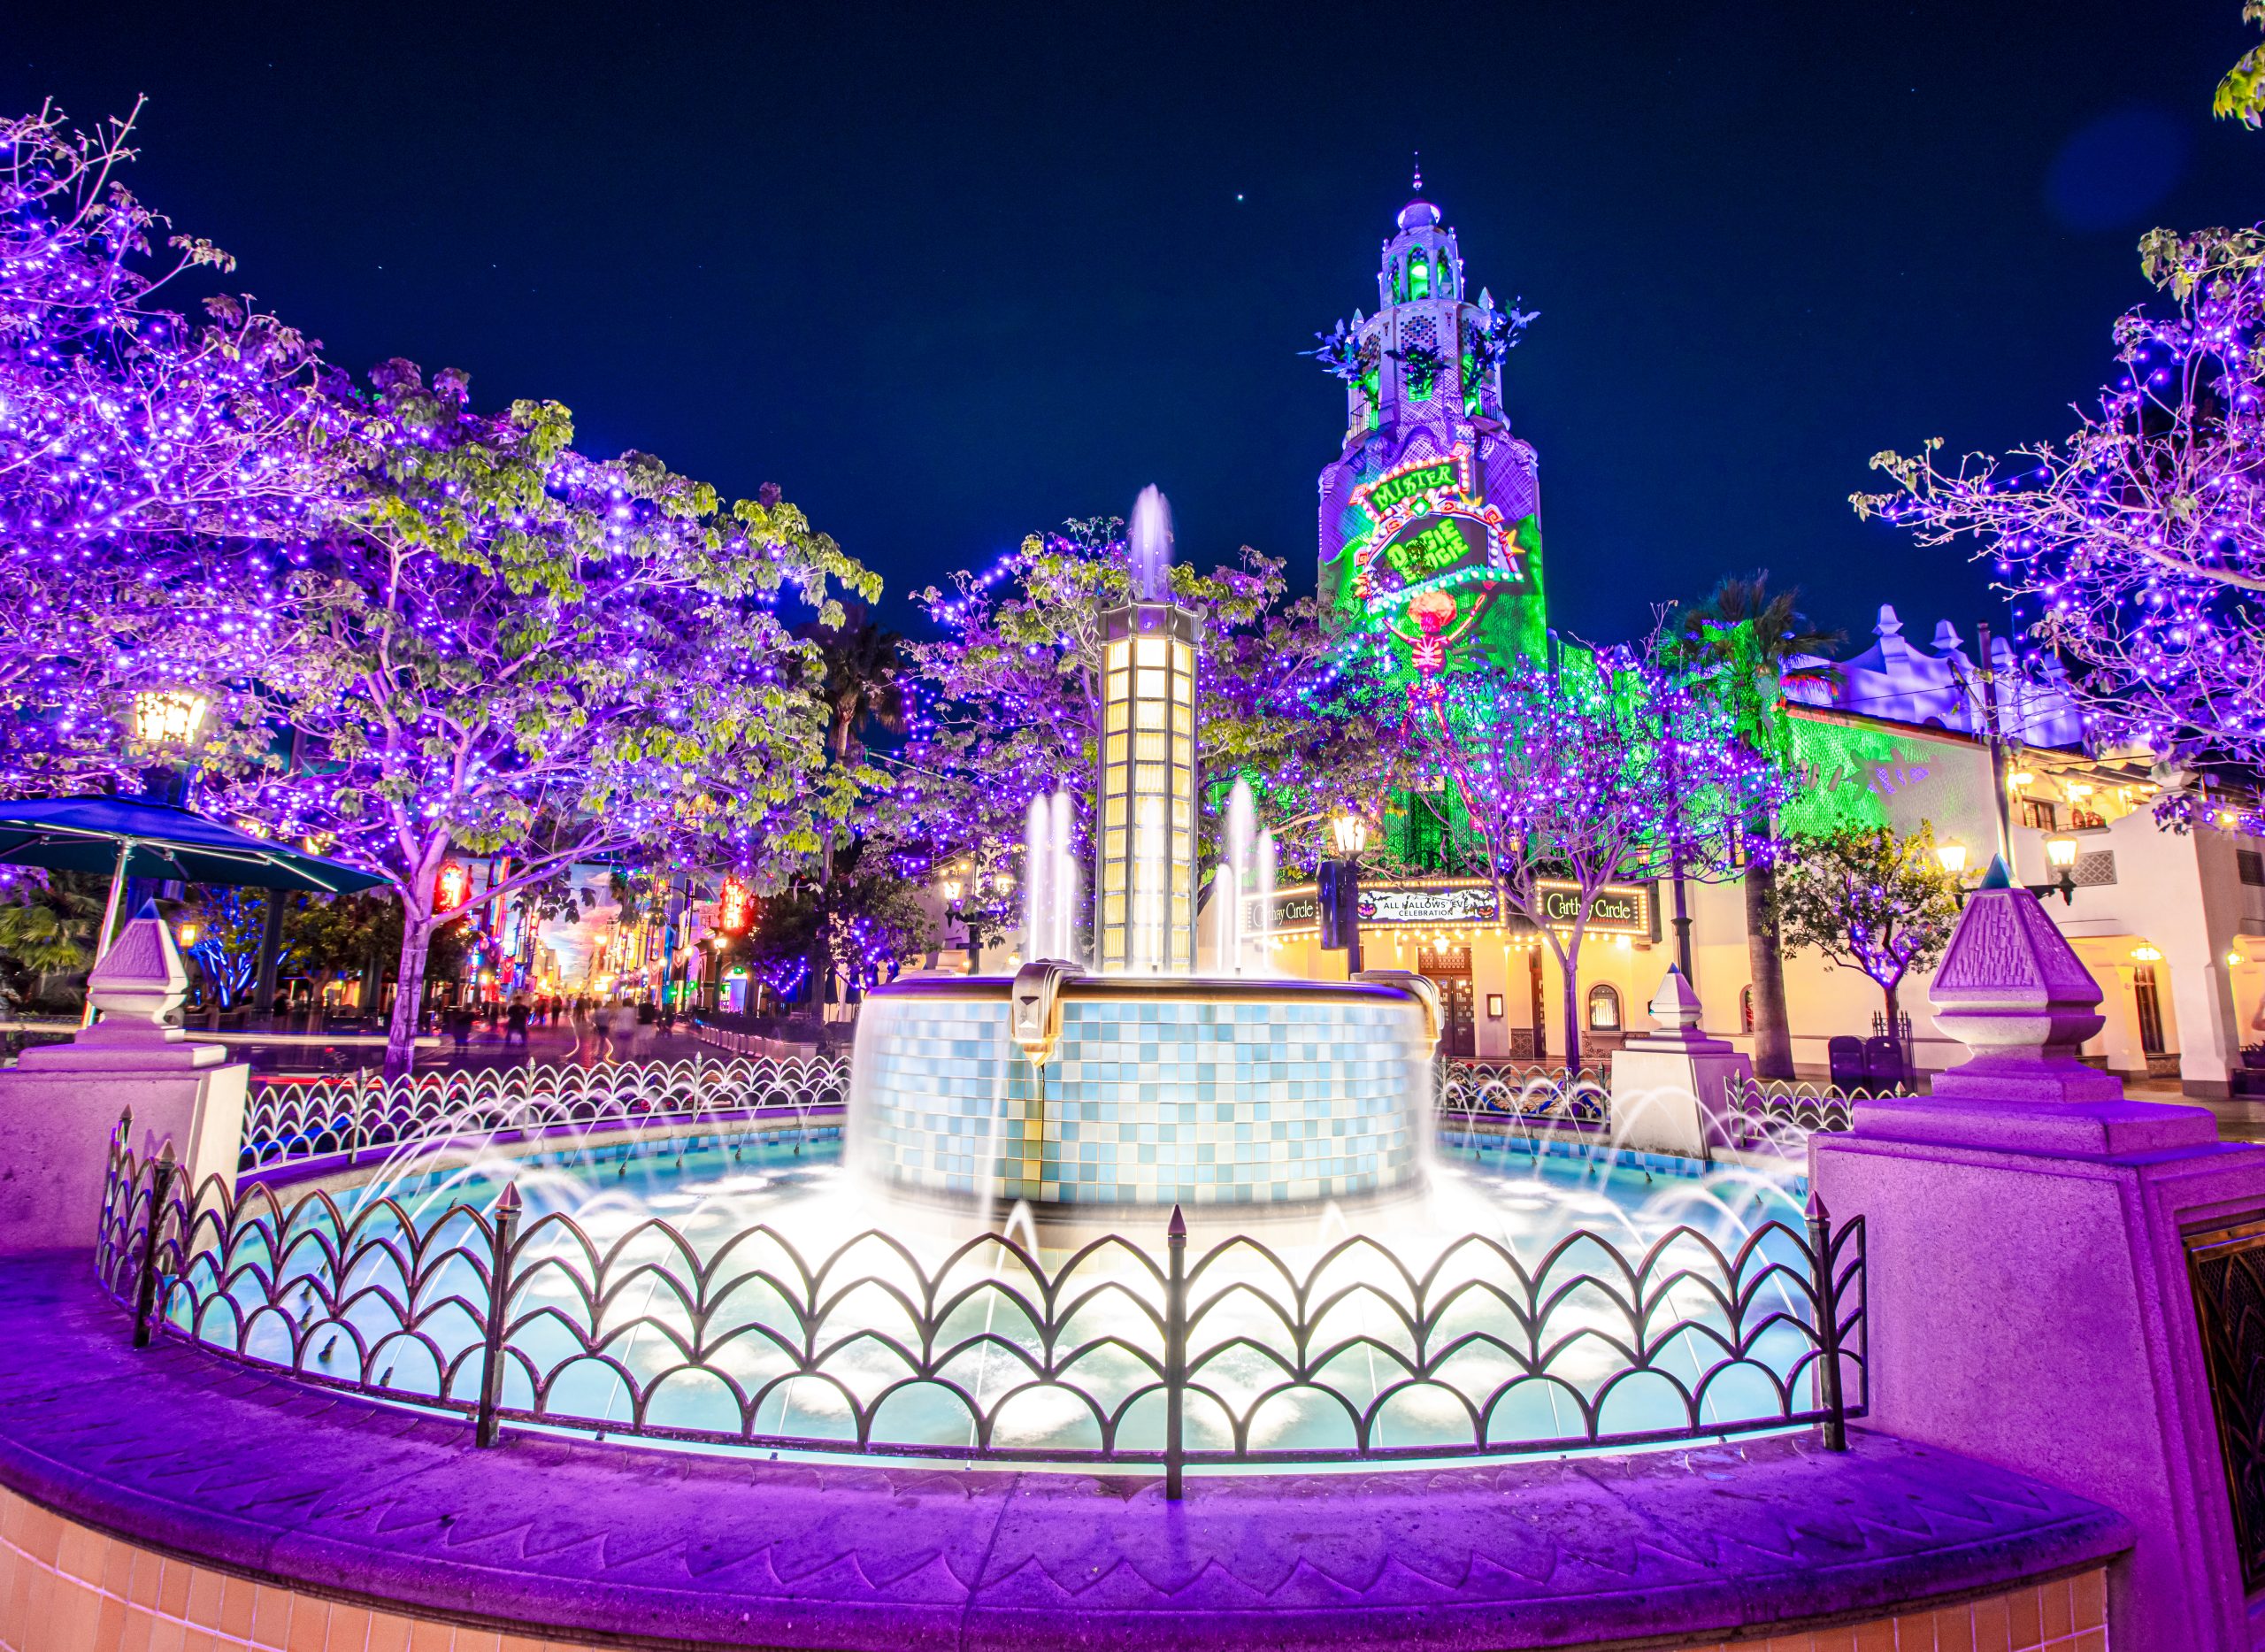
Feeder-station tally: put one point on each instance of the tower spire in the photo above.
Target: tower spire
(1419, 172)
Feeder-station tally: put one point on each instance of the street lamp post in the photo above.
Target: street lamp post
(1340, 889)
(2060, 853)
(164, 725)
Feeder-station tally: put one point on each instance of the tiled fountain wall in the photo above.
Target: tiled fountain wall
(1153, 1099)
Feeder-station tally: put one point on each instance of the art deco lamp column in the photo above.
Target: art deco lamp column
(1145, 855)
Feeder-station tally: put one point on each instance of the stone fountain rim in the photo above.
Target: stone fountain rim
(1185, 989)
(250, 1474)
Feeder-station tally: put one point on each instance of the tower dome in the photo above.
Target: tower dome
(1418, 213)
(1431, 528)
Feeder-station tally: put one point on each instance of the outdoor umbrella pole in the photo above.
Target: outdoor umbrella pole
(110, 919)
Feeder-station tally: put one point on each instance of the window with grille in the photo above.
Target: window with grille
(2251, 865)
(2040, 813)
(2095, 869)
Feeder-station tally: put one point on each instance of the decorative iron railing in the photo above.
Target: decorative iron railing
(1763, 1114)
(1111, 1353)
(303, 1119)
(1476, 1091)
(307, 1118)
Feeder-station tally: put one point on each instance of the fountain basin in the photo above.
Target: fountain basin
(1159, 1090)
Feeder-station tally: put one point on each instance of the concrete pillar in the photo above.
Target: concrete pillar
(61, 1101)
(2027, 1296)
(2202, 1008)
(1670, 1088)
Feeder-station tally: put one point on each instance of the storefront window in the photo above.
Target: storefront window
(1604, 1009)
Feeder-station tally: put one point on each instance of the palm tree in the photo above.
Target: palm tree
(1744, 640)
(47, 927)
(862, 682)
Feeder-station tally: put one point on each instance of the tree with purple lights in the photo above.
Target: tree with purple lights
(1868, 899)
(1582, 777)
(507, 649)
(2141, 537)
(149, 467)
(860, 926)
(1008, 702)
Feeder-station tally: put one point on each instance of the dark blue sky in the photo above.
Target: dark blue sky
(948, 274)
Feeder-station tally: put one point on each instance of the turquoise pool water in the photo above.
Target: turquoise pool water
(744, 1291)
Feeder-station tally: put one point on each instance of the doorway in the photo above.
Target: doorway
(1448, 966)
(2150, 1009)
(1540, 1002)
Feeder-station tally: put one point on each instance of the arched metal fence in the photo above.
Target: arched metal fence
(315, 1117)
(1126, 1350)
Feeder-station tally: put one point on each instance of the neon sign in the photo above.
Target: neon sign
(1620, 909)
(1431, 534)
(1432, 545)
(1395, 486)
(735, 907)
(450, 888)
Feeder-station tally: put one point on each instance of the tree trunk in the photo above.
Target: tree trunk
(418, 924)
(1773, 1035)
(271, 951)
(1569, 965)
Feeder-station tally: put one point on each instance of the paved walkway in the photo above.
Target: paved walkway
(287, 1483)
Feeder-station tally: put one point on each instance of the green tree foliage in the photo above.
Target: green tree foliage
(48, 924)
(1868, 899)
(509, 648)
(2241, 93)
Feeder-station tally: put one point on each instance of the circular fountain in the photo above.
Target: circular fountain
(1143, 1083)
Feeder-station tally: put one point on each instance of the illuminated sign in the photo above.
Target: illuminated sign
(735, 907)
(1433, 540)
(1623, 911)
(450, 888)
(1429, 547)
(1621, 908)
(1397, 486)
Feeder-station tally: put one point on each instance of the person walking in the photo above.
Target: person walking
(514, 1023)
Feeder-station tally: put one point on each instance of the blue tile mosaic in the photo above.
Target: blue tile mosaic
(1172, 1100)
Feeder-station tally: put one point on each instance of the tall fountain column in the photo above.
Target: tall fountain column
(1144, 854)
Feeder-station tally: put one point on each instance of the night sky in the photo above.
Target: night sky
(947, 275)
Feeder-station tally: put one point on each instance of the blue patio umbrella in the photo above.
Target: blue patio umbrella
(131, 837)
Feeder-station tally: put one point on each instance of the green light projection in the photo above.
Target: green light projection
(1867, 777)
